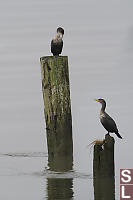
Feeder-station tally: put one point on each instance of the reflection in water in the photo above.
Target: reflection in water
(104, 188)
(59, 188)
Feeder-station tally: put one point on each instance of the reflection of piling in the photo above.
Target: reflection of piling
(57, 107)
(104, 188)
(60, 188)
(103, 170)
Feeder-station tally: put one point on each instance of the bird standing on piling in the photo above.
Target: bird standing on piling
(107, 122)
(57, 42)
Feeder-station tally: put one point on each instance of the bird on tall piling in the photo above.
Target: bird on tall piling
(57, 42)
(107, 122)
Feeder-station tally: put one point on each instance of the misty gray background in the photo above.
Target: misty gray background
(99, 43)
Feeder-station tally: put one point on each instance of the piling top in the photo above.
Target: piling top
(51, 57)
(109, 142)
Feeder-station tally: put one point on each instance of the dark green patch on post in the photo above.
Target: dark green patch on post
(57, 107)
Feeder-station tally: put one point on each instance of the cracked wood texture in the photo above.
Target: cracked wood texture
(57, 109)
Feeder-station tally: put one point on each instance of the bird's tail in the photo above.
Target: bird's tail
(118, 135)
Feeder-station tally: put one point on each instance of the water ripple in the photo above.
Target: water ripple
(62, 175)
(28, 154)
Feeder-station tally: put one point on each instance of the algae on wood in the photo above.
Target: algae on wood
(57, 106)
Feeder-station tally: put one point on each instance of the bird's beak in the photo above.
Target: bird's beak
(96, 100)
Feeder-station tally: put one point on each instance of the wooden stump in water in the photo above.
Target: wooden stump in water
(103, 170)
(57, 107)
(103, 161)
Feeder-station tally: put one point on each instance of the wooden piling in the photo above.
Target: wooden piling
(57, 106)
(103, 161)
(103, 170)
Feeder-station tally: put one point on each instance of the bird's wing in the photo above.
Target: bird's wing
(56, 47)
(60, 46)
(52, 46)
(108, 123)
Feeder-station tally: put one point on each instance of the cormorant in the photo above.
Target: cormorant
(57, 42)
(107, 122)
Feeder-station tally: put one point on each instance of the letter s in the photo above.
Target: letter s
(125, 173)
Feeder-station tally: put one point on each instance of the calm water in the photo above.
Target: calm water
(99, 42)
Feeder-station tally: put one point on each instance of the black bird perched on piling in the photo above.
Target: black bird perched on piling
(57, 42)
(107, 122)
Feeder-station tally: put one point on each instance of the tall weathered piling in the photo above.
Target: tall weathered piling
(57, 107)
(103, 170)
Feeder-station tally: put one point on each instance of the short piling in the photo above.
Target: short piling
(104, 170)
(103, 161)
(57, 107)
